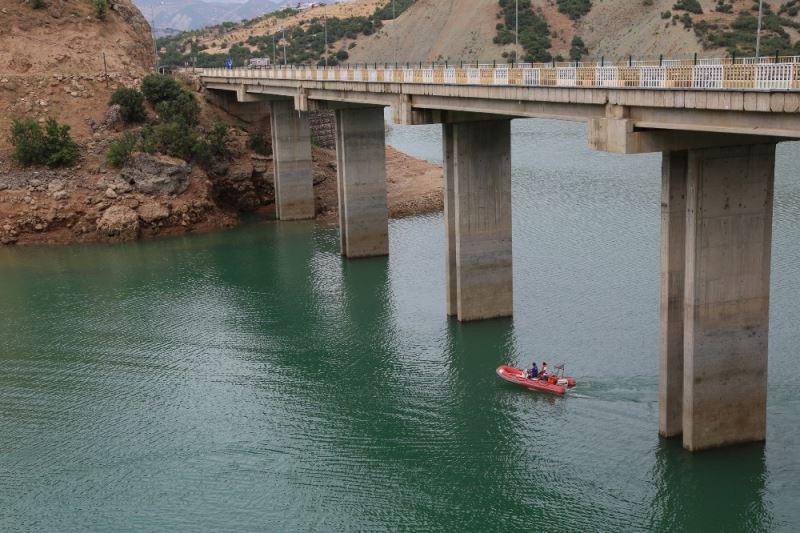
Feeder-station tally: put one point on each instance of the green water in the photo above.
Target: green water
(252, 380)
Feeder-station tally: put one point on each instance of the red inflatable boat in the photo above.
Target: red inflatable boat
(555, 384)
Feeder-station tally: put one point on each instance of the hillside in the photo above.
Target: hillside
(483, 30)
(51, 61)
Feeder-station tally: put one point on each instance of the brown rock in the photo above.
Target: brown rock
(153, 174)
(153, 212)
(119, 223)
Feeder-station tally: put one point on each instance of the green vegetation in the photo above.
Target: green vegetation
(37, 4)
(159, 88)
(740, 37)
(575, 9)
(385, 12)
(577, 49)
(692, 6)
(176, 133)
(182, 108)
(100, 9)
(304, 44)
(258, 144)
(791, 8)
(722, 7)
(131, 103)
(121, 149)
(534, 33)
(52, 146)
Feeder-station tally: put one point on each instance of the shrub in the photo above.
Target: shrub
(182, 108)
(159, 88)
(217, 139)
(121, 149)
(202, 152)
(170, 138)
(37, 4)
(61, 150)
(575, 9)
(53, 147)
(258, 144)
(100, 9)
(692, 6)
(342, 55)
(131, 103)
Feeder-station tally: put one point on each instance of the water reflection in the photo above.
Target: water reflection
(717, 490)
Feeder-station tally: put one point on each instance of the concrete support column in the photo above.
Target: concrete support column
(450, 219)
(726, 308)
(294, 175)
(361, 158)
(478, 198)
(673, 264)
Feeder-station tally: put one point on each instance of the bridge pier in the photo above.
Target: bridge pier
(726, 310)
(361, 162)
(673, 265)
(719, 342)
(477, 158)
(293, 169)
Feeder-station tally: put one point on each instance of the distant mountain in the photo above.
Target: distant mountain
(194, 14)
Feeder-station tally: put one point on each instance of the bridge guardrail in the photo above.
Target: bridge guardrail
(763, 74)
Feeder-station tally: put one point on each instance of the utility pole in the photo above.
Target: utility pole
(284, 45)
(516, 24)
(325, 19)
(153, 31)
(758, 32)
(394, 19)
(274, 51)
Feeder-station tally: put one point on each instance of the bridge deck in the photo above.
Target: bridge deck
(688, 104)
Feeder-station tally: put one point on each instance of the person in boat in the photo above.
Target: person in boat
(533, 373)
(545, 373)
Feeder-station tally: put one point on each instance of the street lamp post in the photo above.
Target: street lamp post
(758, 32)
(516, 24)
(274, 51)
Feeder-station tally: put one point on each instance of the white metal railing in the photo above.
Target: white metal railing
(566, 77)
(608, 76)
(763, 74)
(531, 76)
(653, 77)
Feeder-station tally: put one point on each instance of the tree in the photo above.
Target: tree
(577, 49)
(159, 88)
(131, 103)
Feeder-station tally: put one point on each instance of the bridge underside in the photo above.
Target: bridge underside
(717, 198)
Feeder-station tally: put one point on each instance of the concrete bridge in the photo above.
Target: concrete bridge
(716, 122)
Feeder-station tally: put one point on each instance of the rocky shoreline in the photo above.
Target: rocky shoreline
(156, 196)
